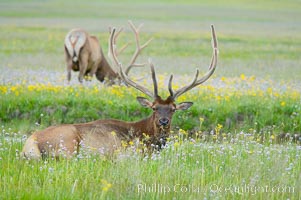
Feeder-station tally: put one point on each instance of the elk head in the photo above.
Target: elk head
(163, 109)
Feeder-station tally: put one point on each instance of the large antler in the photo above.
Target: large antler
(122, 74)
(115, 38)
(139, 48)
(132, 63)
(195, 82)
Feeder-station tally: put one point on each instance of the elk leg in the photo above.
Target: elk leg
(69, 64)
(93, 70)
(69, 67)
(83, 64)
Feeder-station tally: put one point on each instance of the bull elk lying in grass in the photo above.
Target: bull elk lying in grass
(108, 134)
(83, 53)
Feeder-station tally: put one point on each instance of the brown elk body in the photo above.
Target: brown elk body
(83, 53)
(103, 136)
(107, 135)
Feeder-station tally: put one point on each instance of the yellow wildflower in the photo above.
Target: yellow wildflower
(242, 77)
(31, 87)
(201, 119)
(218, 128)
(13, 88)
(124, 144)
(181, 131)
(106, 185)
(252, 78)
(214, 137)
(3, 89)
(146, 137)
(113, 133)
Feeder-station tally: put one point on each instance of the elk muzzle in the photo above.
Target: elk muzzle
(164, 121)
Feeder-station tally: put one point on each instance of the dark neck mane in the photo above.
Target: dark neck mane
(143, 126)
(105, 70)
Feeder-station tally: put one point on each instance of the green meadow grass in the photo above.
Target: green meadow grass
(236, 167)
(227, 146)
(268, 110)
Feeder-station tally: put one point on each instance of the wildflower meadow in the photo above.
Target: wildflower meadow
(240, 139)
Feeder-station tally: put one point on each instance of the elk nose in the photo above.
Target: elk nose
(163, 121)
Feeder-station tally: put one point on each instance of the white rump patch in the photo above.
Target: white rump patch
(31, 149)
(74, 41)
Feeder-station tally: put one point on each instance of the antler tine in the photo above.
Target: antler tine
(118, 32)
(213, 63)
(139, 48)
(112, 47)
(170, 86)
(212, 68)
(133, 84)
(154, 78)
(115, 61)
(124, 46)
(139, 87)
(186, 88)
(115, 38)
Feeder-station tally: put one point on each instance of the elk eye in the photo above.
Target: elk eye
(155, 109)
(173, 110)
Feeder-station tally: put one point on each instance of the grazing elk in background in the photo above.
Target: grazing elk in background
(108, 135)
(83, 53)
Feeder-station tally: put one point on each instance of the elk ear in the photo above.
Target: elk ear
(144, 102)
(184, 105)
